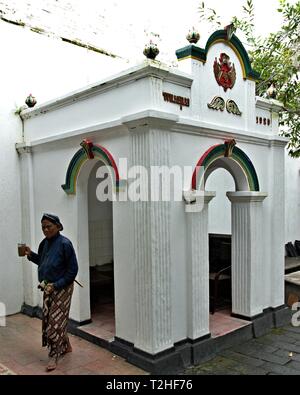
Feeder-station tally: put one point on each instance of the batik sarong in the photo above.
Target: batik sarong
(56, 308)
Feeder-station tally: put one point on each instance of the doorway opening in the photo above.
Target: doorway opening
(220, 294)
(101, 258)
(219, 238)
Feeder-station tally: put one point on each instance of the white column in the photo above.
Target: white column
(30, 279)
(247, 257)
(151, 146)
(198, 268)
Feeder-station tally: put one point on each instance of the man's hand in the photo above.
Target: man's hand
(27, 251)
(49, 288)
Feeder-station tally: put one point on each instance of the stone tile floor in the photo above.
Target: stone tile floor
(21, 353)
(277, 353)
(103, 325)
(221, 323)
(103, 322)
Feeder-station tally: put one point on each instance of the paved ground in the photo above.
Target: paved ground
(21, 353)
(277, 353)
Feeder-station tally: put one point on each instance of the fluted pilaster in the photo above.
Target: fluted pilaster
(247, 257)
(198, 270)
(151, 147)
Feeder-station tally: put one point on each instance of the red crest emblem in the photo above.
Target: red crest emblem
(224, 72)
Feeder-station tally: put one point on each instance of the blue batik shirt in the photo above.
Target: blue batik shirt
(56, 260)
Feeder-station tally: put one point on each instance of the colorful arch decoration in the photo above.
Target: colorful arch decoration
(192, 51)
(87, 152)
(229, 150)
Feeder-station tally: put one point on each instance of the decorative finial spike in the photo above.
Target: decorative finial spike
(151, 50)
(229, 145)
(230, 30)
(193, 36)
(87, 145)
(30, 101)
(271, 91)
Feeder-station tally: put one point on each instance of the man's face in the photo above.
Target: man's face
(49, 229)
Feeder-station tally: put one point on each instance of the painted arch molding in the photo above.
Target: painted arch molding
(231, 158)
(87, 152)
(226, 156)
(220, 36)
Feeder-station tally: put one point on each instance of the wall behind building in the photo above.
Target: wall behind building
(292, 199)
(219, 213)
(100, 223)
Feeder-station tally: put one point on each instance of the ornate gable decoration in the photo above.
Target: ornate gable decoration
(224, 72)
(221, 36)
(87, 145)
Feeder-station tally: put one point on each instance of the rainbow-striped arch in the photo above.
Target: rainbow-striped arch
(232, 159)
(89, 151)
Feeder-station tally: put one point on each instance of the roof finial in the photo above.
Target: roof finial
(30, 101)
(193, 36)
(230, 29)
(271, 91)
(151, 50)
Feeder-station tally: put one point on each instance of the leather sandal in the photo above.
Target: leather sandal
(69, 347)
(52, 364)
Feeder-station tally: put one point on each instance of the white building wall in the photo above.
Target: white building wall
(48, 67)
(292, 199)
(11, 286)
(45, 67)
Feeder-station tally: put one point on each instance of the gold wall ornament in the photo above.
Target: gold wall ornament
(232, 107)
(217, 103)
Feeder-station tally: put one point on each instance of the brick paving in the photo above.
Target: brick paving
(277, 353)
(21, 353)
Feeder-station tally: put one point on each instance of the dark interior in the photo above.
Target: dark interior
(219, 271)
(101, 285)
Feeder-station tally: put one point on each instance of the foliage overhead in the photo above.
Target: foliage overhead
(277, 59)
